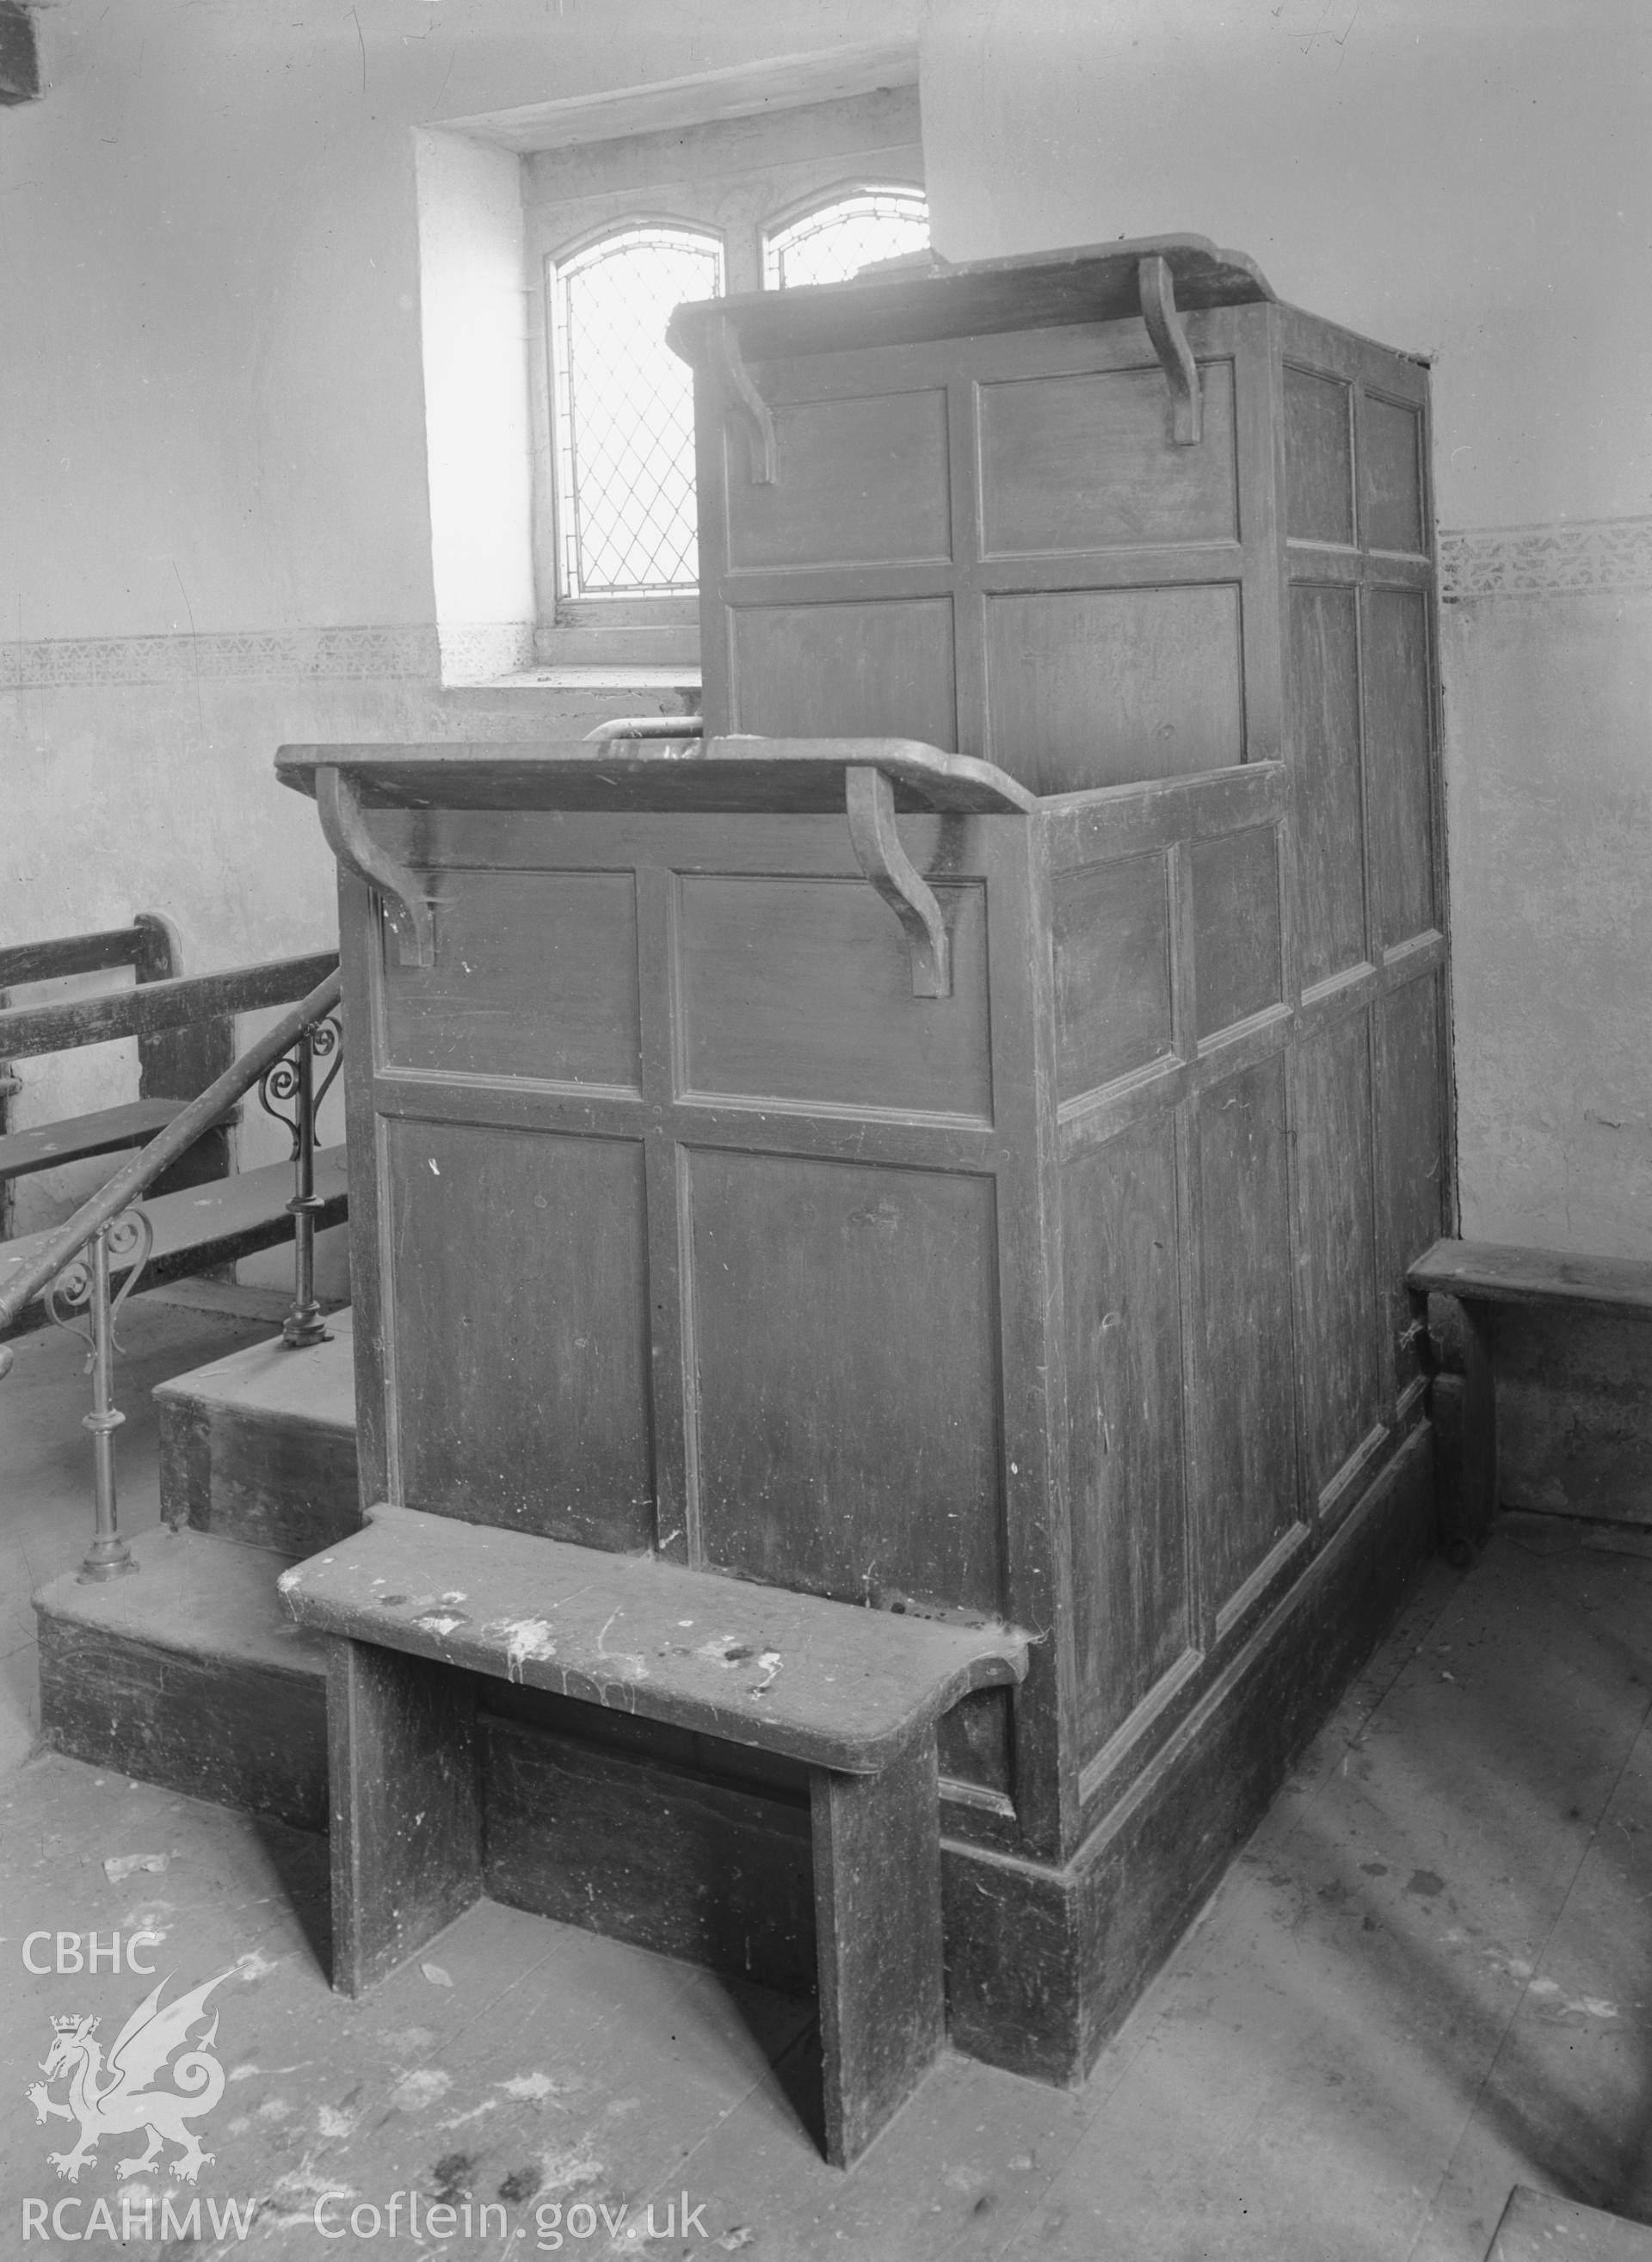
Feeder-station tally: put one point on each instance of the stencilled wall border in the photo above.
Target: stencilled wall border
(1506, 561)
(1521, 561)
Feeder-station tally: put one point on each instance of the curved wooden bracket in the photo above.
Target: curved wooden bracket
(1169, 344)
(356, 849)
(871, 799)
(730, 364)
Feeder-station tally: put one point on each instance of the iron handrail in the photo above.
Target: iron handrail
(135, 1176)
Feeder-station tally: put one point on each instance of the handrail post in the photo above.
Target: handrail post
(292, 1078)
(85, 1286)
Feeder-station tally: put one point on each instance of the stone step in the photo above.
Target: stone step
(260, 1446)
(189, 1673)
(1537, 2227)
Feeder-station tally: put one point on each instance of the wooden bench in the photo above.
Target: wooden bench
(172, 1066)
(185, 1031)
(1466, 1283)
(854, 1695)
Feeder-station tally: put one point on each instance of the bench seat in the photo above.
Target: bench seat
(1500, 1273)
(852, 1694)
(202, 1225)
(104, 1131)
(1466, 1285)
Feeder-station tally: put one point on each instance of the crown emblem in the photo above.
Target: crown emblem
(71, 2025)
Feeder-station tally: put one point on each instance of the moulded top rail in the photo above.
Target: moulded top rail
(731, 775)
(723, 775)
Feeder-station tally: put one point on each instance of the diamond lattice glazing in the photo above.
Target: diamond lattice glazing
(627, 412)
(832, 244)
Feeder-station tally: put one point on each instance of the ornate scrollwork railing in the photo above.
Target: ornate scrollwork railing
(112, 1233)
(84, 1287)
(291, 1080)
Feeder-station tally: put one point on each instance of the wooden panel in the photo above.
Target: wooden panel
(648, 1852)
(800, 988)
(1393, 476)
(1343, 1391)
(1411, 1146)
(1087, 462)
(1319, 459)
(1247, 1448)
(521, 1330)
(845, 671)
(1325, 724)
(1111, 929)
(1122, 1318)
(535, 976)
(862, 481)
(1235, 925)
(1103, 687)
(405, 1827)
(1398, 754)
(845, 1322)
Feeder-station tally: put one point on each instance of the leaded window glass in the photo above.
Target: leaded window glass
(832, 241)
(625, 411)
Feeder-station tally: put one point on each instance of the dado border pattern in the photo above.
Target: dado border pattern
(1519, 561)
(1505, 561)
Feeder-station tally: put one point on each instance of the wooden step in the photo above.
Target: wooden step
(105, 1131)
(260, 1446)
(188, 1673)
(202, 1225)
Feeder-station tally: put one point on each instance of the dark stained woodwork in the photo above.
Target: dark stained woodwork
(186, 1675)
(1393, 509)
(1080, 463)
(156, 1007)
(877, 1930)
(103, 1131)
(1098, 687)
(1399, 782)
(647, 1851)
(1499, 1272)
(1319, 450)
(1463, 1403)
(406, 1821)
(1044, 1963)
(1247, 1348)
(1344, 1388)
(1132, 1582)
(203, 1226)
(1325, 747)
(1238, 935)
(1076, 1295)
(822, 1682)
(99, 953)
(1543, 1374)
(528, 1369)
(852, 1694)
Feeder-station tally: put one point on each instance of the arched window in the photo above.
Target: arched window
(831, 241)
(625, 411)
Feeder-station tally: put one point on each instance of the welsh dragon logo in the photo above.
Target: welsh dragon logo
(116, 2099)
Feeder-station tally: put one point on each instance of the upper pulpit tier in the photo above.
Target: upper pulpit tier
(1041, 510)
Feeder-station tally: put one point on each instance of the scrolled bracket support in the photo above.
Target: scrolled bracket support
(366, 858)
(1170, 343)
(729, 365)
(870, 801)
